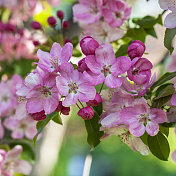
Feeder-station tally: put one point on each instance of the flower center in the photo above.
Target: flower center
(23, 126)
(5, 98)
(73, 87)
(106, 70)
(136, 71)
(143, 118)
(46, 91)
(54, 61)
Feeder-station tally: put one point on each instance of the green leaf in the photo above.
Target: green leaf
(42, 124)
(137, 34)
(164, 130)
(93, 133)
(99, 86)
(75, 41)
(151, 31)
(162, 95)
(168, 38)
(57, 119)
(166, 77)
(74, 65)
(171, 124)
(76, 53)
(159, 146)
(144, 138)
(122, 51)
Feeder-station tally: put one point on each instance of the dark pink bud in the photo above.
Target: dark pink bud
(136, 49)
(60, 14)
(65, 110)
(89, 45)
(86, 113)
(2, 26)
(21, 32)
(36, 43)
(38, 116)
(96, 101)
(65, 24)
(59, 107)
(10, 27)
(35, 25)
(51, 21)
(82, 66)
(67, 41)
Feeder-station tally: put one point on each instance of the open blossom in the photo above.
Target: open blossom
(138, 90)
(51, 61)
(170, 20)
(73, 86)
(10, 162)
(87, 12)
(133, 142)
(102, 32)
(140, 71)
(107, 67)
(20, 128)
(40, 92)
(116, 12)
(141, 118)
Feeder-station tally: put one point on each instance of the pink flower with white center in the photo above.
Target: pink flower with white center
(107, 67)
(141, 118)
(116, 13)
(51, 61)
(11, 164)
(73, 86)
(170, 20)
(102, 32)
(138, 90)
(140, 71)
(21, 128)
(133, 142)
(40, 92)
(87, 12)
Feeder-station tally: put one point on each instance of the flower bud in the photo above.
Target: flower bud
(65, 24)
(35, 25)
(36, 43)
(51, 21)
(65, 110)
(67, 41)
(38, 116)
(60, 14)
(86, 113)
(21, 32)
(10, 27)
(82, 66)
(97, 100)
(136, 49)
(88, 45)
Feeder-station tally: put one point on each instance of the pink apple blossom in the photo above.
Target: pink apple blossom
(10, 162)
(140, 71)
(40, 92)
(87, 12)
(51, 61)
(116, 12)
(102, 32)
(73, 86)
(141, 118)
(170, 19)
(20, 128)
(107, 67)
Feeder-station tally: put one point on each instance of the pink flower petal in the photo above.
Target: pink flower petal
(152, 128)
(14, 153)
(138, 131)
(157, 115)
(170, 20)
(34, 105)
(112, 81)
(66, 52)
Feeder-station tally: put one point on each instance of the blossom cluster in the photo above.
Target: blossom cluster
(13, 114)
(102, 19)
(56, 85)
